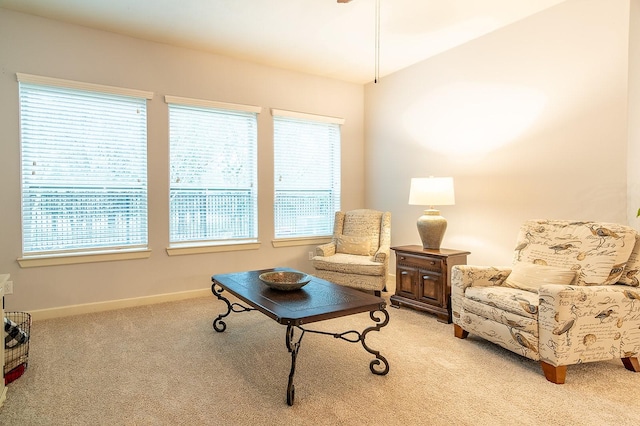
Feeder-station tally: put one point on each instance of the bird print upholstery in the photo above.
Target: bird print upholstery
(595, 318)
(630, 274)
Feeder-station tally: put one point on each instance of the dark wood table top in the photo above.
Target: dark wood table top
(316, 301)
(437, 252)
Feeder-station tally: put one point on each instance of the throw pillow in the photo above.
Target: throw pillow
(530, 277)
(353, 245)
(598, 250)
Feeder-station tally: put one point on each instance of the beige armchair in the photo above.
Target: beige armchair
(358, 255)
(571, 296)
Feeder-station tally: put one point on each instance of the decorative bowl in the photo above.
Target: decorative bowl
(285, 280)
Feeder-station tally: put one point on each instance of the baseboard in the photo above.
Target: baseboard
(3, 392)
(87, 308)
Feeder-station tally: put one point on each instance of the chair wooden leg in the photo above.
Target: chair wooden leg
(631, 364)
(554, 374)
(459, 332)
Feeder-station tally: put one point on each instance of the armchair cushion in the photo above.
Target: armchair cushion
(352, 244)
(519, 302)
(481, 310)
(530, 277)
(363, 222)
(597, 251)
(349, 264)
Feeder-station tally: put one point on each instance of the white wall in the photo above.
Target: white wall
(531, 121)
(633, 163)
(38, 46)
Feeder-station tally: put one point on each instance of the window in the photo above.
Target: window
(213, 172)
(307, 173)
(84, 166)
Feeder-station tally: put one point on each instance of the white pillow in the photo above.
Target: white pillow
(530, 277)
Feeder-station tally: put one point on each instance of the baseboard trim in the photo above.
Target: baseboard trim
(87, 308)
(3, 393)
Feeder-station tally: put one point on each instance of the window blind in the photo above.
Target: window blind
(213, 172)
(84, 170)
(307, 175)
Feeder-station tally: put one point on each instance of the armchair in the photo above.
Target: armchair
(358, 255)
(571, 296)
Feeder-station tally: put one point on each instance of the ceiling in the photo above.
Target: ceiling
(320, 37)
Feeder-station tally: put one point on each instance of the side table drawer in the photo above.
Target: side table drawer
(423, 262)
(423, 278)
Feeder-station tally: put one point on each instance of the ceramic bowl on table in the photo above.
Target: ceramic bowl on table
(285, 280)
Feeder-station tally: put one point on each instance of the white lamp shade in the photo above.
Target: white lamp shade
(432, 191)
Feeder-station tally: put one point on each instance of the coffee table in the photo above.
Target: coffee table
(317, 301)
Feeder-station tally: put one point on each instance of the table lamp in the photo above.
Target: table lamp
(431, 191)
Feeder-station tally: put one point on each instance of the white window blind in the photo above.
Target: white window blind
(307, 174)
(213, 162)
(84, 168)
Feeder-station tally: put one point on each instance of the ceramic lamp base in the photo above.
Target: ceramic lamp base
(431, 227)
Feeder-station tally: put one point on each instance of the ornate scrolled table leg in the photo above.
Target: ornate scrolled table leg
(379, 358)
(293, 347)
(355, 337)
(218, 324)
(351, 336)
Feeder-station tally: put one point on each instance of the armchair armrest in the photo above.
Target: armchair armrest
(382, 254)
(588, 323)
(328, 249)
(463, 276)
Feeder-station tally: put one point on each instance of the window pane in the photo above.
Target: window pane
(307, 177)
(213, 161)
(84, 170)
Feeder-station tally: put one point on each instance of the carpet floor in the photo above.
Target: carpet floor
(164, 365)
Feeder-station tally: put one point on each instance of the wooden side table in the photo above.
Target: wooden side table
(423, 279)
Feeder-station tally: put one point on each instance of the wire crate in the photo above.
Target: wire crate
(16, 353)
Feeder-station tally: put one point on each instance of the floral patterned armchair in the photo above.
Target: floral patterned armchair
(358, 255)
(571, 296)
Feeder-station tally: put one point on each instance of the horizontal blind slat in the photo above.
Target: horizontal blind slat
(307, 176)
(213, 160)
(84, 169)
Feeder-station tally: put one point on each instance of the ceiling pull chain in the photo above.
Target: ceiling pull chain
(376, 76)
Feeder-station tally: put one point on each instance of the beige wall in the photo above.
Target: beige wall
(531, 121)
(43, 47)
(633, 164)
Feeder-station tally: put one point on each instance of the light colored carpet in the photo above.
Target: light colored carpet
(164, 365)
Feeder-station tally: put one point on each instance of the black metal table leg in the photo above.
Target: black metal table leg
(293, 347)
(218, 324)
(379, 358)
(352, 336)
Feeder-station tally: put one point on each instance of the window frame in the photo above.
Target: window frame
(296, 240)
(90, 254)
(176, 248)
